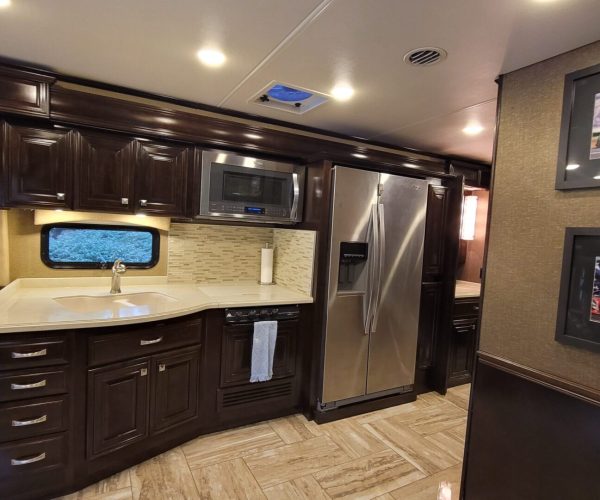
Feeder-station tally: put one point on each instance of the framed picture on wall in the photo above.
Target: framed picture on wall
(578, 320)
(579, 146)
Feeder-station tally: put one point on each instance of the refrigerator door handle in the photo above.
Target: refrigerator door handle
(380, 262)
(373, 240)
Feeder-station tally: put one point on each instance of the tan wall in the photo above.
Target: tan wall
(528, 224)
(24, 251)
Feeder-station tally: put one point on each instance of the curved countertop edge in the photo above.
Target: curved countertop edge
(26, 294)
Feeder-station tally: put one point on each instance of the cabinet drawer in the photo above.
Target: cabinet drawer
(466, 308)
(26, 459)
(34, 383)
(107, 348)
(32, 352)
(33, 418)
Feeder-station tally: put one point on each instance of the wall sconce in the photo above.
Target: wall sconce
(469, 216)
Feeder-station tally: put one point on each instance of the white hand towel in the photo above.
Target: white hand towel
(263, 350)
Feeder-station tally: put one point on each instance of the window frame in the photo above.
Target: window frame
(45, 246)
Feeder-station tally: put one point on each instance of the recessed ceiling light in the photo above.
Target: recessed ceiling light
(4, 3)
(359, 155)
(211, 57)
(342, 92)
(473, 129)
(597, 177)
(572, 166)
(253, 136)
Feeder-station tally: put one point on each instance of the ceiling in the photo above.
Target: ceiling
(151, 45)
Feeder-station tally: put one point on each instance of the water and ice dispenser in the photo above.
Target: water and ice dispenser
(352, 276)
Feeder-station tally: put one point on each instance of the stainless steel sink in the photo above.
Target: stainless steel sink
(123, 304)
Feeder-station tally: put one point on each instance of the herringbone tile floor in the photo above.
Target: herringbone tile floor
(401, 452)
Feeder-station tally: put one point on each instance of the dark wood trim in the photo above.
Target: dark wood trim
(571, 389)
(49, 72)
(322, 417)
(499, 82)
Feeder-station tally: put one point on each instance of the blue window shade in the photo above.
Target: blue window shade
(92, 247)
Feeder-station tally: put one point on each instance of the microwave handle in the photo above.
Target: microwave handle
(294, 211)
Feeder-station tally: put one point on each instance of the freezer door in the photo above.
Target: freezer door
(393, 341)
(346, 338)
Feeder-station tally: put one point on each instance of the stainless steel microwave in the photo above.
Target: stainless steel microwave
(241, 187)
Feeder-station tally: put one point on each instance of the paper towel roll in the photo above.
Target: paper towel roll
(266, 266)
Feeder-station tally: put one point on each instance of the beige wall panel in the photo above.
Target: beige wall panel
(25, 262)
(528, 224)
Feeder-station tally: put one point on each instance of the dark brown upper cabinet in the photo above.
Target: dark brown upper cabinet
(37, 166)
(435, 228)
(24, 93)
(161, 172)
(104, 172)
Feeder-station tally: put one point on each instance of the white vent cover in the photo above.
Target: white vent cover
(290, 98)
(425, 56)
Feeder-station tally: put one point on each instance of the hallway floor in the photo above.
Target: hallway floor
(401, 452)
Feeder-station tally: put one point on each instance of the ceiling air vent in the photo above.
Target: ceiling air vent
(289, 98)
(425, 56)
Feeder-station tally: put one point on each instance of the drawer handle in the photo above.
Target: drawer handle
(35, 354)
(149, 342)
(23, 423)
(38, 458)
(20, 387)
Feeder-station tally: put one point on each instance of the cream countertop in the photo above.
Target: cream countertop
(466, 289)
(28, 305)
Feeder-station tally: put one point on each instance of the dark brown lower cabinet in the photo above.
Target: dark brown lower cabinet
(118, 398)
(175, 389)
(463, 341)
(462, 351)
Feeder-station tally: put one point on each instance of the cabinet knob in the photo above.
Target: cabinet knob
(60, 196)
(124, 201)
(143, 203)
(143, 372)
(162, 367)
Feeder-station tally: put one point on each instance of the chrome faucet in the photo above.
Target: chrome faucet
(118, 268)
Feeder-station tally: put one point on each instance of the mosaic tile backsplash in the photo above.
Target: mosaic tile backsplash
(203, 253)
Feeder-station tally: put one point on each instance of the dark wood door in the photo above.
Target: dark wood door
(462, 351)
(37, 166)
(104, 172)
(118, 401)
(435, 232)
(236, 354)
(429, 323)
(161, 178)
(175, 389)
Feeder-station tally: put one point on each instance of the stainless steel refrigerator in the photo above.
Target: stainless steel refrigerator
(374, 285)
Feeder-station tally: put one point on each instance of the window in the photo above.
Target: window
(84, 246)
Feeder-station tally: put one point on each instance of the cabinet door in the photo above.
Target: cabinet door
(161, 175)
(435, 228)
(118, 400)
(429, 323)
(175, 389)
(37, 166)
(104, 172)
(236, 353)
(462, 351)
